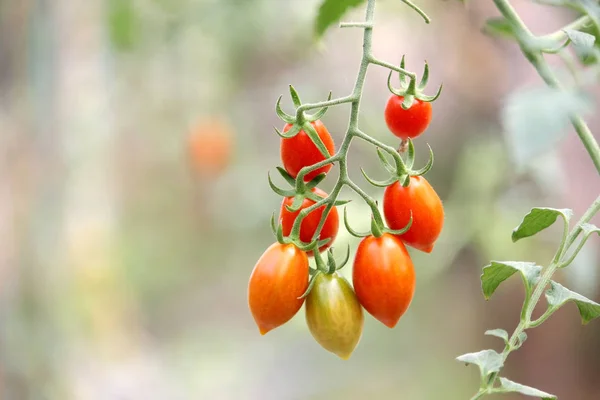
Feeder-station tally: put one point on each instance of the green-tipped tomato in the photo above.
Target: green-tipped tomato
(334, 315)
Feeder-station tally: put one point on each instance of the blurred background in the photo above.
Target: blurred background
(135, 141)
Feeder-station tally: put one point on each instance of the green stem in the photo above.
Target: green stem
(560, 35)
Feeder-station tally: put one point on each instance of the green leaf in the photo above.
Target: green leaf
(497, 272)
(488, 361)
(558, 295)
(538, 219)
(500, 333)
(508, 386)
(499, 26)
(535, 120)
(583, 42)
(331, 11)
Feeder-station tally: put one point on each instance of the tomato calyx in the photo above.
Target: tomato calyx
(308, 190)
(329, 268)
(378, 228)
(302, 121)
(410, 90)
(402, 171)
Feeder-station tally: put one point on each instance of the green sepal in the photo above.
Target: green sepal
(320, 113)
(345, 260)
(331, 262)
(386, 164)
(282, 114)
(285, 175)
(427, 166)
(296, 204)
(295, 97)
(316, 139)
(349, 228)
(278, 190)
(293, 131)
(314, 182)
(403, 230)
(381, 184)
(410, 154)
(311, 284)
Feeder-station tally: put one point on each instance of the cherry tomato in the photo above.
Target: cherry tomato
(334, 315)
(279, 278)
(299, 151)
(209, 147)
(427, 212)
(384, 277)
(310, 223)
(407, 123)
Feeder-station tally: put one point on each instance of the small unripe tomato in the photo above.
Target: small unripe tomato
(421, 201)
(334, 315)
(407, 123)
(311, 222)
(299, 151)
(384, 278)
(279, 278)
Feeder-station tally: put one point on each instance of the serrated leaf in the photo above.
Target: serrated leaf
(508, 386)
(538, 219)
(499, 333)
(558, 295)
(488, 361)
(535, 120)
(497, 272)
(498, 26)
(331, 11)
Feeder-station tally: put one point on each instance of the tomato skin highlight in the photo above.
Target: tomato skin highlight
(384, 278)
(277, 281)
(299, 151)
(333, 315)
(311, 222)
(409, 123)
(427, 212)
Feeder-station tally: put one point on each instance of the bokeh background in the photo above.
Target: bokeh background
(126, 245)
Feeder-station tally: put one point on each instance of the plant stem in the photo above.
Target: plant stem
(353, 130)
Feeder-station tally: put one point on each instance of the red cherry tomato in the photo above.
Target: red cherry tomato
(427, 212)
(299, 151)
(384, 277)
(310, 223)
(407, 123)
(333, 315)
(279, 278)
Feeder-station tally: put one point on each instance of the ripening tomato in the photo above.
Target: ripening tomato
(420, 199)
(279, 278)
(209, 147)
(311, 222)
(299, 151)
(407, 123)
(384, 277)
(333, 315)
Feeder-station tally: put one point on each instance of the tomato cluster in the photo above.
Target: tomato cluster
(383, 273)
